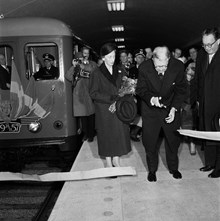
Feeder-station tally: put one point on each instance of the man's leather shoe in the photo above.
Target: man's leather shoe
(152, 177)
(214, 174)
(85, 138)
(176, 174)
(206, 168)
(90, 139)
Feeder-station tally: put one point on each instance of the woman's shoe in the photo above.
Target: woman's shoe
(116, 162)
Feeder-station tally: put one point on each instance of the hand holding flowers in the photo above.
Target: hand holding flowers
(127, 88)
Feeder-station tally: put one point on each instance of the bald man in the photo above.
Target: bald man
(161, 86)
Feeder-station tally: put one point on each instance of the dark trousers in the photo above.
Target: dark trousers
(88, 125)
(212, 156)
(151, 148)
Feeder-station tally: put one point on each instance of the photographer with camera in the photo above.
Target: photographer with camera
(83, 108)
(78, 69)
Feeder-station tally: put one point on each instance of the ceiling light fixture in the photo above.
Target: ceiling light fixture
(116, 5)
(117, 28)
(121, 46)
(119, 39)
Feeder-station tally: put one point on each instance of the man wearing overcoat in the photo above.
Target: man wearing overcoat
(162, 88)
(208, 78)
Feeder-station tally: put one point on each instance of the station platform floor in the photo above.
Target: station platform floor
(195, 197)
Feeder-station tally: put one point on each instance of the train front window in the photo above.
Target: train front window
(42, 61)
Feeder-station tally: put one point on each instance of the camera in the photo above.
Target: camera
(78, 60)
(79, 72)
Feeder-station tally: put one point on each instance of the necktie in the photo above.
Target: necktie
(160, 76)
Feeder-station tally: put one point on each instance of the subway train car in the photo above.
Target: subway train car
(36, 111)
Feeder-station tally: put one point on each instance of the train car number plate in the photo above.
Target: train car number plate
(12, 127)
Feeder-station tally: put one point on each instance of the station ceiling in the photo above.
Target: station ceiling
(147, 23)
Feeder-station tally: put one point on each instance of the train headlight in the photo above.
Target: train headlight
(34, 127)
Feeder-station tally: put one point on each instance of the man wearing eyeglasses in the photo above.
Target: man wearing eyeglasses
(208, 81)
(162, 88)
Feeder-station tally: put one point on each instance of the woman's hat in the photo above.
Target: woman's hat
(216, 122)
(107, 48)
(126, 109)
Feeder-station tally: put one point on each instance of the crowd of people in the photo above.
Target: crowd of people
(172, 92)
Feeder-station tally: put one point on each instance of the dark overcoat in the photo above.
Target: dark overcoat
(47, 74)
(189, 113)
(112, 134)
(172, 89)
(208, 81)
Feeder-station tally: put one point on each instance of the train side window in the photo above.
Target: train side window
(6, 53)
(42, 61)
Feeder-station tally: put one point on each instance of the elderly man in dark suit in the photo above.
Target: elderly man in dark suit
(161, 86)
(208, 77)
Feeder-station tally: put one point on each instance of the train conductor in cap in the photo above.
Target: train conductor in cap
(161, 86)
(49, 71)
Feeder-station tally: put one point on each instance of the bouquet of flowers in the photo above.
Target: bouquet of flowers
(128, 86)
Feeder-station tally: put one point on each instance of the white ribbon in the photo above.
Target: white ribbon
(70, 176)
(208, 135)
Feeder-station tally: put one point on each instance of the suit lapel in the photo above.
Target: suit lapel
(112, 78)
(168, 78)
(117, 74)
(205, 63)
(217, 54)
(213, 61)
